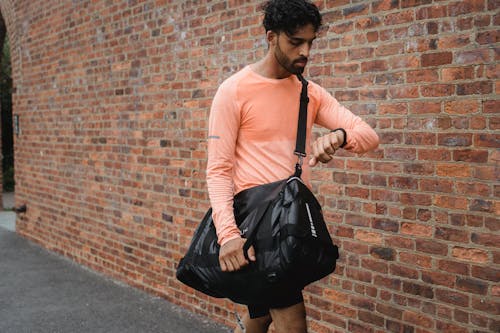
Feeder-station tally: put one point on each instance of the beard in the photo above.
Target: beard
(287, 63)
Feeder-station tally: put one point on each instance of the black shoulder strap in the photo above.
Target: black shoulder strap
(300, 144)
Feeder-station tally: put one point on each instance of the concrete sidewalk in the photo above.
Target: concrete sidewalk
(44, 292)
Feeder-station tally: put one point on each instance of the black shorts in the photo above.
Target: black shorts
(286, 300)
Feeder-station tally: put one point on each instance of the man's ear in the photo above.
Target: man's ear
(272, 37)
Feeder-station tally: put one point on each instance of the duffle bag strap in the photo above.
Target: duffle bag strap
(250, 238)
(300, 143)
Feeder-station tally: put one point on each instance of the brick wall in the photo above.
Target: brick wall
(113, 99)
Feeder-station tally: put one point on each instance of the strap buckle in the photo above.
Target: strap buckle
(298, 165)
(300, 158)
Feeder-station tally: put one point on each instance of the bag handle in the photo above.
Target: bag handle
(300, 143)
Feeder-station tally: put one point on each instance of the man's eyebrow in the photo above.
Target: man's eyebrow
(298, 39)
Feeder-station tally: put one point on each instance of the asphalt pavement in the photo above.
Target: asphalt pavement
(44, 292)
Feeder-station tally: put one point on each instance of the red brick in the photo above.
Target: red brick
(389, 49)
(363, 303)
(462, 107)
(490, 307)
(450, 202)
(336, 296)
(489, 240)
(432, 247)
(344, 96)
(486, 273)
(424, 215)
(416, 199)
(384, 5)
(359, 328)
(436, 11)
(434, 155)
(419, 107)
(405, 62)
(414, 3)
(455, 139)
(477, 56)
(399, 17)
(475, 88)
(368, 237)
(485, 172)
(480, 205)
(401, 153)
(437, 90)
(371, 318)
(418, 290)
(454, 42)
(355, 10)
(470, 254)
(472, 286)
(451, 297)
(436, 59)
(487, 140)
(488, 37)
(403, 271)
(374, 66)
(450, 328)
(355, 247)
(393, 108)
(491, 71)
(449, 170)
(417, 319)
(403, 92)
(474, 156)
(390, 311)
(385, 224)
(386, 282)
(423, 75)
(466, 7)
(383, 253)
(479, 320)
(420, 168)
(357, 192)
(457, 73)
(403, 183)
(393, 326)
(416, 229)
(441, 185)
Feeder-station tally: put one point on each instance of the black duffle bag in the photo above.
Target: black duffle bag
(284, 223)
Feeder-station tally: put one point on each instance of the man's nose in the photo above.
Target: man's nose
(304, 50)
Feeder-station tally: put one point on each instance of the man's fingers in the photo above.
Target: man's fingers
(326, 145)
(223, 265)
(320, 153)
(231, 256)
(334, 140)
(232, 261)
(251, 253)
(242, 261)
(235, 265)
(325, 157)
(323, 149)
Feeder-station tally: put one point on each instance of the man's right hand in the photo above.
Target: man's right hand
(231, 257)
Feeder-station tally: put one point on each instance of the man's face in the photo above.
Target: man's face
(292, 51)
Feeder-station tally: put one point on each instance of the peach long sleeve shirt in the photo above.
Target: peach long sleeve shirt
(252, 134)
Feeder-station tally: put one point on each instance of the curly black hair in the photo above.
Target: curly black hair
(289, 15)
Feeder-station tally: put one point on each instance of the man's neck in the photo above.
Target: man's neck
(270, 68)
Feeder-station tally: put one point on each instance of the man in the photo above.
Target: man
(252, 132)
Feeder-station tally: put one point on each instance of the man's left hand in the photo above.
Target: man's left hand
(325, 147)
